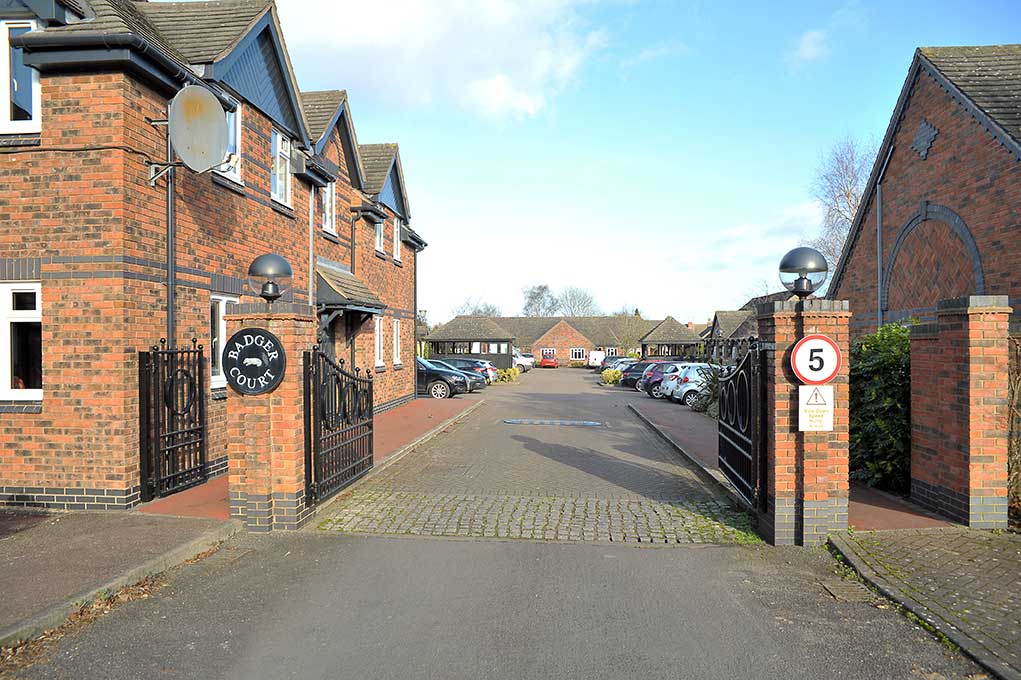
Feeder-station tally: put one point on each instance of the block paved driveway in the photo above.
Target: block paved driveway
(614, 482)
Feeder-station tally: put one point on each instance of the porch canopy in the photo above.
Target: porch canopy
(671, 338)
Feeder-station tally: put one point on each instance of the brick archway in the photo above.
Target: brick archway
(937, 213)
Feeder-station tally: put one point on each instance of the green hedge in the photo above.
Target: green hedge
(612, 376)
(508, 375)
(880, 408)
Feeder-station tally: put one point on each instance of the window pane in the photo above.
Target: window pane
(26, 356)
(232, 132)
(21, 81)
(214, 340)
(24, 301)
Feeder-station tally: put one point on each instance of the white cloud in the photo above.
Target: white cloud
(812, 46)
(496, 58)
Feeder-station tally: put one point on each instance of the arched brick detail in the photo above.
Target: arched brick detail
(928, 211)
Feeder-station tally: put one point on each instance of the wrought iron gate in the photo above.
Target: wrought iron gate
(338, 425)
(172, 418)
(740, 427)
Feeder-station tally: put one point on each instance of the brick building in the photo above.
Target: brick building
(568, 338)
(943, 202)
(84, 256)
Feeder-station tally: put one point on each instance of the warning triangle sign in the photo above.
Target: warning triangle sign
(816, 398)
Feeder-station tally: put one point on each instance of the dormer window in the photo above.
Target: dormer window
(20, 100)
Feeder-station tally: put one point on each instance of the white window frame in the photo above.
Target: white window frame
(378, 340)
(217, 378)
(280, 147)
(611, 351)
(397, 238)
(548, 352)
(397, 342)
(380, 242)
(233, 171)
(329, 208)
(8, 316)
(578, 354)
(8, 126)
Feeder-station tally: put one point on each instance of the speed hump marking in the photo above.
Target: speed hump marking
(816, 359)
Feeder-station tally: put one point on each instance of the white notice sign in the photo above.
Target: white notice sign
(815, 408)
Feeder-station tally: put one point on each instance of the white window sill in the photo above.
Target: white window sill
(21, 128)
(21, 395)
(217, 383)
(236, 179)
(281, 203)
(381, 251)
(332, 231)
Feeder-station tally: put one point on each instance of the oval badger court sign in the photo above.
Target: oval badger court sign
(816, 359)
(253, 361)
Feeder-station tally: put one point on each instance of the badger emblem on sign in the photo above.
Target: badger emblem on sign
(253, 361)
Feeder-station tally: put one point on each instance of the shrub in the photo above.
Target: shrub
(708, 400)
(508, 375)
(577, 364)
(880, 448)
(612, 376)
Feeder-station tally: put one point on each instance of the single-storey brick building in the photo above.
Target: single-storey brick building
(943, 203)
(85, 258)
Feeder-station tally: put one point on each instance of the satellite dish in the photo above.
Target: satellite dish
(198, 128)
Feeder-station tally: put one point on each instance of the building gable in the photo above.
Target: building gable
(258, 70)
(392, 196)
(561, 335)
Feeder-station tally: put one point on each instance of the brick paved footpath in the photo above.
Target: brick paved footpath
(489, 479)
(966, 582)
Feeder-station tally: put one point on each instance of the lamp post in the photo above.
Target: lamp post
(270, 276)
(803, 271)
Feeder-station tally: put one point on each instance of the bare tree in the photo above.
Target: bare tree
(631, 329)
(839, 186)
(577, 302)
(474, 307)
(540, 301)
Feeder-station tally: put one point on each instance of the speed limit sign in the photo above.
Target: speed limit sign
(816, 359)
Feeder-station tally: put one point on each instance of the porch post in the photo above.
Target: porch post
(266, 455)
(806, 472)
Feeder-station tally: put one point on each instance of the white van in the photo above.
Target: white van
(595, 358)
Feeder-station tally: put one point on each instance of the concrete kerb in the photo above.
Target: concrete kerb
(394, 457)
(57, 614)
(712, 476)
(980, 654)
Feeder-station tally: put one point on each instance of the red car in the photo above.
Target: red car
(548, 362)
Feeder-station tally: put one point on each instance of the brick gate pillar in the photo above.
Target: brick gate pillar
(806, 472)
(266, 449)
(959, 410)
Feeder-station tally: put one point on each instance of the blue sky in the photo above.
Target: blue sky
(658, 154)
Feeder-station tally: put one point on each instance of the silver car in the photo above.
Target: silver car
(684, 386)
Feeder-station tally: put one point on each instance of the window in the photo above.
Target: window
(233, 171)
(21, 341)
(380, 246)
(379, 341)
(611, 351)
(397, 342)
(578, 354)
(503, 348)
(217, 336)
(461, 348)
(549, 352)
(476, 348)
(329, 206)
(280, 173)
(20, 100)
(397, 239)
(494, 348)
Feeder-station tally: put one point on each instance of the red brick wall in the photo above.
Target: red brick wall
(562, 337)
(97, 315)
(967, 171)
(959, 373)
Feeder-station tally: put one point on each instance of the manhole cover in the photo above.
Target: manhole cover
(529, 421)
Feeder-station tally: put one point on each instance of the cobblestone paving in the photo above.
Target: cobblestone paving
(969, 579)
(545, 518)
(487, 478)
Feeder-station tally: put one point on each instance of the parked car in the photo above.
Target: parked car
(596, 358)
(475, 381)
(483, 368)
(652, 379)
(437, 382)
(633, 372)
(617, 363)
(548, 362)
(685, 386)
(491, 370)
(524, 362)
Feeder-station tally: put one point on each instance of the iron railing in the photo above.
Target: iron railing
(740, 426)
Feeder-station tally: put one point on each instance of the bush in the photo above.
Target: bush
(612, 376)
(508, 375)
(880, 408)
(577, 364)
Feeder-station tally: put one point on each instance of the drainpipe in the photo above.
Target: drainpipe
(171, 245)
(879, 238)
(311, 245)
